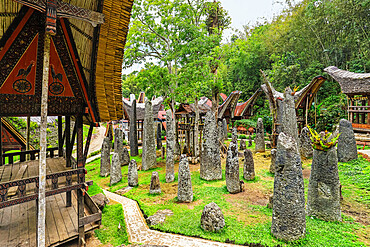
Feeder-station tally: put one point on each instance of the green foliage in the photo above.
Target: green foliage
(246, 123)
(242, 136)
(229, 135)
(113, 229)
(323, 140)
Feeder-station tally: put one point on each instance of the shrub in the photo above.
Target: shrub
(229, 135)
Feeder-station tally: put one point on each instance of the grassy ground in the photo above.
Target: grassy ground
(247, 218)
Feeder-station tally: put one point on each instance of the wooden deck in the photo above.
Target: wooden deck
(18, 223)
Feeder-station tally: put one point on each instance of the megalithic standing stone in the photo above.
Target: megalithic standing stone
(185, 191)
(132, 175)
(159, 136)
(149, 156)
(210, 165)
(347, 149)
(170, 146)
(289, 119)
(305, 143)
(259, 140)
(232, 169)
(248, 172)
(134, 150)
(323, 197)
(105, 157)
(288, 214)
(118, 144)
(115, 170)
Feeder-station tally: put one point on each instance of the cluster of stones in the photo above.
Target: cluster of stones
(210, 166)
(148, 156)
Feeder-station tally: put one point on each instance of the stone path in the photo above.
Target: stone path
(139, 232)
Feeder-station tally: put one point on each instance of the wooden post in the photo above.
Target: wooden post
(28, 136)
(68, 140)
(42, 162)
(67, 133)
(87, 145)
(81, 178)
(60, 136)
(1, 143)
(368, 115)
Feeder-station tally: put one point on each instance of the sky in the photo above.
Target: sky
(242, 12)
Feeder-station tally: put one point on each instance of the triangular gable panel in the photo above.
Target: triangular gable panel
(58, 80)
(21, 69)
(21, 79)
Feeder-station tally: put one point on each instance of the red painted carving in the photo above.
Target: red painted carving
(21, 79)
(58, 81)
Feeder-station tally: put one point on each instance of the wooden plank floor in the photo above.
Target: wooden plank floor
(18, 224)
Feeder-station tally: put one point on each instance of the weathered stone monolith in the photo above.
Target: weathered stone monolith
(115, 170)
(132, 175)
(185, 191)
(248, 172)
(134, 150)
(288, 214)
(232, 169)
(347, 149)
(289, 119)
(259, 140)
(105, 157)
(305, 143)
(323, 197)
(159, 136)
(220, 132)
(243, 144)
(250, 141)
(234, 135)
(149, 156)
(212, 219)
(170, 146)
(224, 127)
(155, 186)
(210, 165)
(126, 157)
(273, 160)
(118, 144)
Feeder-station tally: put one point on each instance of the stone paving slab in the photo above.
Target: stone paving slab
(139, 232)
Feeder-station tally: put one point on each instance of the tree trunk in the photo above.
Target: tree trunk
(42, 165)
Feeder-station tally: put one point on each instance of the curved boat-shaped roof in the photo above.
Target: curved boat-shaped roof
(350, 83)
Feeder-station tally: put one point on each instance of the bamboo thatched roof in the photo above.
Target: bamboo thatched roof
(350, 83)
(241, 108)
(100, 49)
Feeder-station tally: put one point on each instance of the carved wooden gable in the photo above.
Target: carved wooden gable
(21, 60)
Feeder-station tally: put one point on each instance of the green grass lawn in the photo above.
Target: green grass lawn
(247, 218)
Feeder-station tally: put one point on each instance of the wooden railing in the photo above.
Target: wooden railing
(359, 109)
(33, 154)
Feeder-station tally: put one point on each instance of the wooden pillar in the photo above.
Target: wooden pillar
(67, 133)
(68, 140)
(60, 136)
(28, 130)
(1, 143)
(87, 145)
(42, 162)
(81, 178)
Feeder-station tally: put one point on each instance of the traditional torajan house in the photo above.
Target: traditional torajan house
(357, 88)
(303, 101)
(244, 110)
(57, 58)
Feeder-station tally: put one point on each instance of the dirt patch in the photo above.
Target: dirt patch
(192, 204)
(252, 194)
(306, 173)
(357, 211)
(364, 235)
